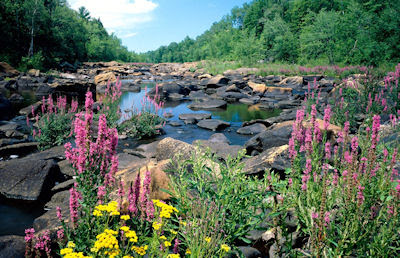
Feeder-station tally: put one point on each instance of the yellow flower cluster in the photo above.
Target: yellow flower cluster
(157, 225)
(208, 239)
(167, 243)
(68, 252)
(130, 234)
(140, 250)
(107, 241)
(166, 210)
(188, 251)
(125, 217)
(225, 248)
(111, 208)
(173, 256)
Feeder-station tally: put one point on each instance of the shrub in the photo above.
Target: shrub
(344, 193)
(238, 198)
(54, 123)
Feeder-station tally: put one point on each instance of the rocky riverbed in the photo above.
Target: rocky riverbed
(43, 179)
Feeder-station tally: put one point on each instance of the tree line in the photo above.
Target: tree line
(46, 33)
(297, 31)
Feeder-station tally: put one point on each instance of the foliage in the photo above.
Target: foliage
(54, 123)
(238, 197)
(301, 31)
(59, 34)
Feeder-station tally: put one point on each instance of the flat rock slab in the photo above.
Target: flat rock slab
(275, 158)
(221, 149)
(27, 178)
(213, 124)
(12, 246)
(252, 129)
(195, 116)
(208, 105)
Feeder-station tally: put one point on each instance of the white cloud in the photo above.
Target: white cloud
(119, 16)
(129, 35)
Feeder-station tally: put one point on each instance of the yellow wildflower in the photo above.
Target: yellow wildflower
(188, 251)
(125, 228)
(225, 248)
(173, 232)
(65, 251)
(157, 225)
(71, 244)
(127, 256)
(97, 213)
(173, 256)
(131, 234)
(166, 210)
(207, 239)
(163, 238)
(125, 217)
(183, 223)
(167, 243)
(141, 250)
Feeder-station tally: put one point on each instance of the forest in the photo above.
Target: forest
(45, 33)
(297, 31)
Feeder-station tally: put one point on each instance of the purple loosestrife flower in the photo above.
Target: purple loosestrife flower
(327, 117)
(60, 234)
(73, 204)
(354, 145)
(328, 150)
(306, 175)
(176, 246)
(59, 215)
(375, 131)
(327, 219)
(134, 195)
(101, 192)
(360, 195)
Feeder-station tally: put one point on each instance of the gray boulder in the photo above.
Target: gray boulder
(213, 124)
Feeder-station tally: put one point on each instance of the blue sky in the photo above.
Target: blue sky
(148, 24)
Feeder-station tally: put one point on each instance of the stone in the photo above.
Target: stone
(125, 160)
(250, 101)
(12, 246)
(159, 179)
(288, 104)
(275, 158)
(198, 95)
(66, 185)
(16, 98)
(217, 81)
(27, 178)
(66, 168)
(19, 148)
(257, 87)
(222, 150)
(34, 72)
(59, 198)
(276, 135)
(169, 148)
(103, 78)
(7, 70)
(213, 124)
(252, 129)
(250, 252)
(195, 116)
(294, 80)
(219, 138)
(175, 123)
(27, 111)
(208, 105)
